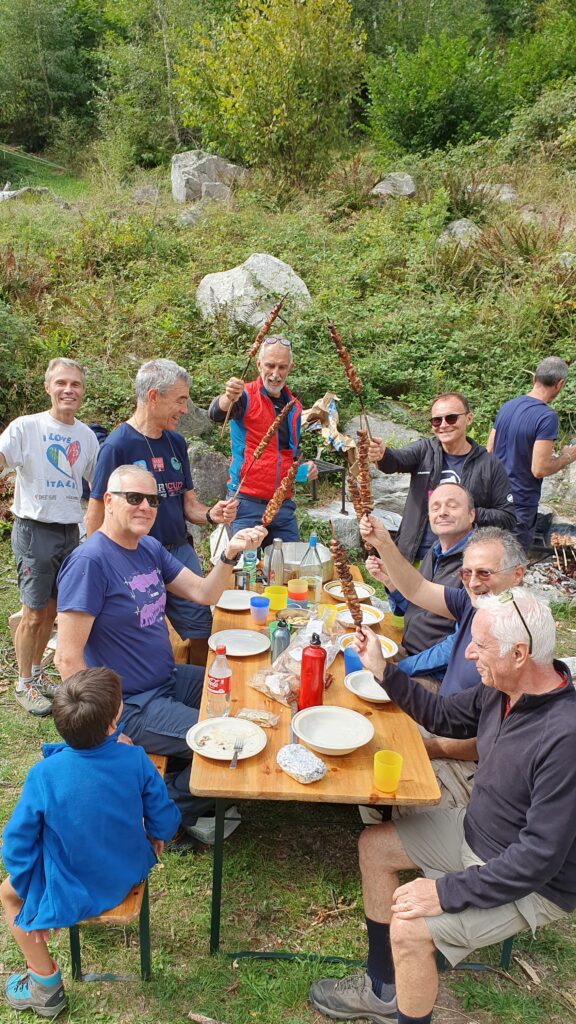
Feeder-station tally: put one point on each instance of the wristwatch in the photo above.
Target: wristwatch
(209, 518)
(230, 561)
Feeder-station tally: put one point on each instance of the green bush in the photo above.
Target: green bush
(442, 93)
(542, 121)
(21, 370)
(533, 61)
(274, 85)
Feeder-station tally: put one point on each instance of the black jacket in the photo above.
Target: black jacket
(423, 629)
(521, 819)
(482, 474)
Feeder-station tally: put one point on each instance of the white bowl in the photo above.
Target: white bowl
(363, 685)
(389, 648)
(332, 730)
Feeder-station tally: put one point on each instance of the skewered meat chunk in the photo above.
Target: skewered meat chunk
(345, 577)
(364, 485)
(344, 357)
(354, 493)
(266, 327)
(273, 506)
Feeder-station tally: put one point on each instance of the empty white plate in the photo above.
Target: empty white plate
(363, 684)
(240, 643)
(235, 600)
(215, 737)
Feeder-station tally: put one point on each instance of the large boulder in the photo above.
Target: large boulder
(210, 472)
(247, 292)
(192, 170)
(396, 185)
(195, 422)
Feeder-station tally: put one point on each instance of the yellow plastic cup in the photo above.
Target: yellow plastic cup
(387, 770)
(278, 596)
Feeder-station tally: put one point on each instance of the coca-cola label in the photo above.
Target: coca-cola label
(219, 684)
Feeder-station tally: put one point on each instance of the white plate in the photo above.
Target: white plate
(389, 648)
(370, 615)
(240, 643)
(332, 730)
(214, 738)
(363, 590)
(235, 600)
(363, 685)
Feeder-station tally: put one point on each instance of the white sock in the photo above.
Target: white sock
(36, 671)
(23, 683)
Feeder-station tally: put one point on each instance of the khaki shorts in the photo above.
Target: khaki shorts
(435, 842)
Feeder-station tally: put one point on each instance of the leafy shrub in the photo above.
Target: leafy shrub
(275, 84)
(440, 94)
(531, 62)
(542, 121)
(20, 371)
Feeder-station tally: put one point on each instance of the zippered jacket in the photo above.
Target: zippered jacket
(521, 818)
(482, 474)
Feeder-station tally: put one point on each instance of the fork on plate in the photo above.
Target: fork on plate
(238, 747)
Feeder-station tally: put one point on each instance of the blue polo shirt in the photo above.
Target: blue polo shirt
(460, 673)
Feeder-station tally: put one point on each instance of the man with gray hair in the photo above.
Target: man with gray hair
(523, 438)
(51, 451)
(149, 440)
(505, 863)
(252, 408)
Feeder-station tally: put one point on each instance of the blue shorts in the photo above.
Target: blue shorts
(188, 619)
(284, 525)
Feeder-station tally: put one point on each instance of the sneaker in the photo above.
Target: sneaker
(205, 828)
(351, 998)
(46, 686)
(33, 702)
(30, 992)
(371, 815)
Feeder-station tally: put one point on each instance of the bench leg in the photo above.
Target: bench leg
(506, 953)
(144, 928)
(75, 952)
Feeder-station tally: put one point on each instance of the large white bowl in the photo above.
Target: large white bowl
(332, 730)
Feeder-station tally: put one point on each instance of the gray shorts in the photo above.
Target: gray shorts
(39, 550)
(435, 842)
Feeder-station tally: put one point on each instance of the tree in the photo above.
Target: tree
(274, 85)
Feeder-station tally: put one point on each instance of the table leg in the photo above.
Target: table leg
(217, 876)
(343, 511)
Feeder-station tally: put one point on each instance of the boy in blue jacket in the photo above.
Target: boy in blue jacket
(89, 823)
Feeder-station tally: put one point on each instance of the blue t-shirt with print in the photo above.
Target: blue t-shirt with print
(124, 590)
(519, 424)
(460, 673)
(451, 474)
(166, 457)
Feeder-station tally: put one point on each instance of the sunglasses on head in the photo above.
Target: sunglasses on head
(451, 418)
(509, 596)
(482, 574)
(137, 497)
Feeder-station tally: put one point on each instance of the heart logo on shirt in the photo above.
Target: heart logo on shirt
(71, 453)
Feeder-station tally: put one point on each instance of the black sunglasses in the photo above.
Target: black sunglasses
(451, 418)
(137, 497)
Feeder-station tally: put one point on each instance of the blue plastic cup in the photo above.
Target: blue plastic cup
(352, 661)
(259, 607)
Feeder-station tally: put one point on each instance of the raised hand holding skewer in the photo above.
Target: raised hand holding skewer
(253, 352)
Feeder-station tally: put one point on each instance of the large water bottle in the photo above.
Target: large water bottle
(219, 677)
(251, 567)
(275, 568)
(311, 569)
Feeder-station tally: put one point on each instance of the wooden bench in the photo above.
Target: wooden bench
(135, 905)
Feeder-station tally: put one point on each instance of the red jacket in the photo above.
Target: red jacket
(247, 432)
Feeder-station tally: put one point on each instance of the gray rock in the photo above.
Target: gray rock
(561, 486)
(195, 422)
(216, 190)
(390, 490)
(464, 232)
(210, 471)
(394, 434)
(193, 215)
(567, 260)
(247, 292)
(191, 170)
(147, 194)
(345, 527)
(498, 193)
(397, 185)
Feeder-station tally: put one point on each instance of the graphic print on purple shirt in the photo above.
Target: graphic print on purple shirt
(451, 474)
(124, 590)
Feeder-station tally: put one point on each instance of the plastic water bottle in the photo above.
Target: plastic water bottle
(311, 569)
(275, 572)
(251, 566)
(219, 676)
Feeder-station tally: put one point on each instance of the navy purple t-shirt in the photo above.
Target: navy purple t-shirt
(519, 424)
(460, 673)
(451, 474)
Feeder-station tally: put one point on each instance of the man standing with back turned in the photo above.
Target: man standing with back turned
(523, 437)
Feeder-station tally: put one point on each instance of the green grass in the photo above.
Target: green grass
(21, 169)
(291, 881)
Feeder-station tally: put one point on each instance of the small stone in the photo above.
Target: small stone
(396, 185)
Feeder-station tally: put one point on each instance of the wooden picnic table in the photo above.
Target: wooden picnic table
(349, 779)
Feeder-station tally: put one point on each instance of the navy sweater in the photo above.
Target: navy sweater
(521, 818)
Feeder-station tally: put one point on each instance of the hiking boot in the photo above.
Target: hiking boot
(32, 701)
(46, 686)
(351, 998)
(32, 991)
(205, 828)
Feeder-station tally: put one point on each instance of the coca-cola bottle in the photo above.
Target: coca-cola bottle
(219, 676)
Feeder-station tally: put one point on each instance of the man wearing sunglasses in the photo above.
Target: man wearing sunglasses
(111, 606)
(505, 864)
(448, 457)
(149, 439)
(252, 408)
(523, 438)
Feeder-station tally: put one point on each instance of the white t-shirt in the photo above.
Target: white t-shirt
(50, 459)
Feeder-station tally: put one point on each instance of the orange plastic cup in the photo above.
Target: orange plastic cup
(298, 590)
(387, 770)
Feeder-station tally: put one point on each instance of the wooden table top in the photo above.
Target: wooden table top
(349, 779)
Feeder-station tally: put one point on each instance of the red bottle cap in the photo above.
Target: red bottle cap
(221, 649)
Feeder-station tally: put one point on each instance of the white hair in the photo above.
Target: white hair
(161, 374)
(118, 475)
(507, 627)
(275, 339)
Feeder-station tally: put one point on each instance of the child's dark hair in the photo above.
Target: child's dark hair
(85, 705)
